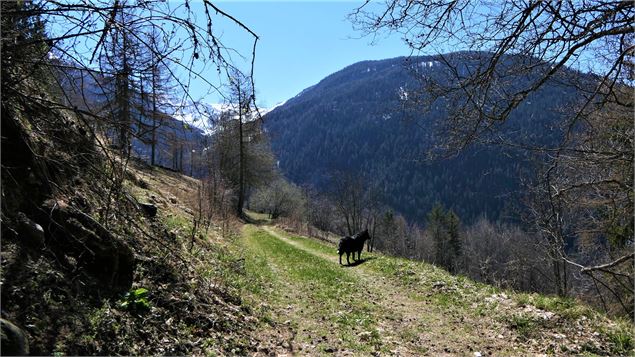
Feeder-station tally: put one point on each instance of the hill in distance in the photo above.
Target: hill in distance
(352, 121)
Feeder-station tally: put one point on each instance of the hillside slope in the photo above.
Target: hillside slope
(177, 300)
(98, 253)
(385, 305)
(87, 269)
(353, 121)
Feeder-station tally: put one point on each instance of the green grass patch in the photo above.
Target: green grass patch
(525, 326)
(177, 222)
(322, 290)
(257, 216)
(418, 277)
(311, 244)
(449, 294)
(622, 339)
(565, 307)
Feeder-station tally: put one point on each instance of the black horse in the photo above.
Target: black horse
(352, 244)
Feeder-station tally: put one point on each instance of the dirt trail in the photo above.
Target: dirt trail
(412, 325)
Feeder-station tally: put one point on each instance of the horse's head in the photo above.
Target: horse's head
(363, 235)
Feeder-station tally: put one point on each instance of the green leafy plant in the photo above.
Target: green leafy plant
(136, 301)
(524, 325)
(622, 340)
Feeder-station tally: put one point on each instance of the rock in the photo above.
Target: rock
(173, 200)
(364, 335)
(149, 209)
(172, 235)
(143, 184)
(30, 233)
(104, 255)
(329, 350)
(438, 285)
(79, 201)
(14, 341)
(111, 260)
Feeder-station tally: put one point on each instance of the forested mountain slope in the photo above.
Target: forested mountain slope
(353, 121)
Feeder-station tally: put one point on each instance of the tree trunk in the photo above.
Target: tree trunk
(124, 98)
(557, 277)
(154, 115)
(348, 225)
(241, 175)
(181, 158)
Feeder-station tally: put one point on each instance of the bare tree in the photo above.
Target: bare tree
(79, 33)
(587, 193)
(278, 198)
(511, 51)
(319, 210)
(348, 192)
(241, 146)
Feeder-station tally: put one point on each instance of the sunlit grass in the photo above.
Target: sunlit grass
(325, 292)
(312, 265)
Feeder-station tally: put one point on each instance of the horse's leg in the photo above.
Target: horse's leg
(359, 254)
(347, 255)
(340, 258)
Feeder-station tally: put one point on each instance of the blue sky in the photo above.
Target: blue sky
(300, 43)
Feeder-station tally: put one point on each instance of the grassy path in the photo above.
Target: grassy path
(353, 310)
(389, 306)
(409, 324)
(312, 296)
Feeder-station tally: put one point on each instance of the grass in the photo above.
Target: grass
(419, 278)
(524, 325)
(453, 290)
(177, 222)
(319, 291)
(622, 339)
(257, 217)
(473, 300)
(565, 307)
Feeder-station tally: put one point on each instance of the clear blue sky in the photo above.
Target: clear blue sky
(300, 43)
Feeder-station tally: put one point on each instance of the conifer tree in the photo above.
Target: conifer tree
(443, 226)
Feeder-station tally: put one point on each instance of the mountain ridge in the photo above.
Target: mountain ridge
(353, 120)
